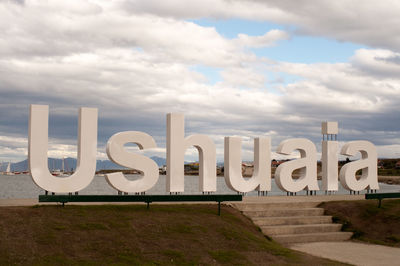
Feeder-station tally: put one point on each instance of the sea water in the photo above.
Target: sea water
(22, 186)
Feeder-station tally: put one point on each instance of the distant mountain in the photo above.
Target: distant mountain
(70, 164)
(15, 167)
(159, 160)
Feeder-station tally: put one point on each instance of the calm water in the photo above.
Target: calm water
(22, 186)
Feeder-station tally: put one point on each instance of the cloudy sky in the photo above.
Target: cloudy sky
(246, 68)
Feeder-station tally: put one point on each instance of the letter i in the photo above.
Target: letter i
(329, 158)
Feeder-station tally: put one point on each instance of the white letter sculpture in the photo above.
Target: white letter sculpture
(38, 146)
(329, 158)
(117, 154)
(368, 164)
(261, 179)
(176, 147)
(307, 163)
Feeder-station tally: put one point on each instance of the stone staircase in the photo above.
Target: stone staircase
(293, 222)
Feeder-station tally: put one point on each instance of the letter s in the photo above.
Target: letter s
(117, 154)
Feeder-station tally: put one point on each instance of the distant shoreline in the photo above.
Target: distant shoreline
(391, 180)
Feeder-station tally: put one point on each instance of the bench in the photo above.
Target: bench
(381, 196)
(141, 198)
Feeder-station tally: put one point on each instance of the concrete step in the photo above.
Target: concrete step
(285, 212)
(299, 229)
(274, 205)
(313, 237)
(292, 220)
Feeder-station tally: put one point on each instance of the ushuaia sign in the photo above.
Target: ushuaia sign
(177, 144)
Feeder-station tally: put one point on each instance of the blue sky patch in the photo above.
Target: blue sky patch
(298, 49)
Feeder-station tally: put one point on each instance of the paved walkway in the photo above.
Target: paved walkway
(18, 202)
(352, 252)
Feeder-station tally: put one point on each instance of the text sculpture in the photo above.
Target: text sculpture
(177, 144)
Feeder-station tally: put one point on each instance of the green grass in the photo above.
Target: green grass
(132, 235)
(368, 222)
(230, 257)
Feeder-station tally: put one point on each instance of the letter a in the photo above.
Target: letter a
(307, 163)
(38, 147)
(368, 164)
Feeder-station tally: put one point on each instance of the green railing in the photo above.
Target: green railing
(141, 198)
(381, 196)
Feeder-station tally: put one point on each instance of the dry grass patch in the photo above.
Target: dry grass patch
(131, 235)
(368, 222)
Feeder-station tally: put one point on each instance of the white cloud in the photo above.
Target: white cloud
(363, 95)
(373, 23)
(50, 30)
(243, 77)
(379, 63)
(268, 39)
(133, 60)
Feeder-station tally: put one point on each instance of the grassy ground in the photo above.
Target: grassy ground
(389, 172)
(368, 222)
(132, 235)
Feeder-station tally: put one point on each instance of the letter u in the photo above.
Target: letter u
(38, 148)
(261, 179)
